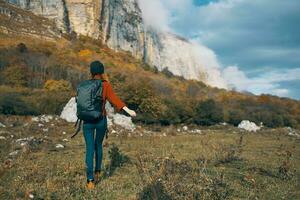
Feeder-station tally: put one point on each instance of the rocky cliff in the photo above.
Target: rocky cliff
(119, 24)
(14, 20)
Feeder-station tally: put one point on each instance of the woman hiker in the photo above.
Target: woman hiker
(94, 141)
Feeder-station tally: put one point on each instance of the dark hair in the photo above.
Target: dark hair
(96, 67)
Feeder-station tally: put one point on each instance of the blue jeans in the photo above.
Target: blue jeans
(94, 145)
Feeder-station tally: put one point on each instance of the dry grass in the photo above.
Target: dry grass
(216, 164)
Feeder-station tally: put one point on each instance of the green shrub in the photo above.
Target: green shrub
(176, 112)
(117, 159)
(209, 113)
(13, 104)
(51, 102)
(236, 116)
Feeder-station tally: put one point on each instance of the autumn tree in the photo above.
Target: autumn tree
(16, 75)
(208, 113)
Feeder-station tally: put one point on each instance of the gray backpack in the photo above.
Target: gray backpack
(89, 102)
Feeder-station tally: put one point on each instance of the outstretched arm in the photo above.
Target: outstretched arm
(130, 112)
(116, 101)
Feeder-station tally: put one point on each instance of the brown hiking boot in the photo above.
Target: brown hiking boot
(97, 176)
(90, 184)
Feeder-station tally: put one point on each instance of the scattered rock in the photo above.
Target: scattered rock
(178, 130)
(40, 125)
(59, 146)
(185, 128)
(292, 132)
(124, 122)
(64, 133)
(29, 143)
(35, 119)
(45, 129)
(42, 118)
(65, 140)
(113, 131)
(46, 118)
(2, 125)
(14, 153)
(249, 126)
(31, 196)
(196, 131)
(2, 138)
(24, 141)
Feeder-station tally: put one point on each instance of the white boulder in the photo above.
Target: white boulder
(69, 111)
(249, 126)
(69, 114)
(123, 121)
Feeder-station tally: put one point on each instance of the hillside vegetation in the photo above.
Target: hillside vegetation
(39, 76)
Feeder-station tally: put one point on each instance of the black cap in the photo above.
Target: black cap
(96, 67)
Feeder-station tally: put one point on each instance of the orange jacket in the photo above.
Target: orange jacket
(110, 95)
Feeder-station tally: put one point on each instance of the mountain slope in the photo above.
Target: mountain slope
(29, 63)
(119, 24)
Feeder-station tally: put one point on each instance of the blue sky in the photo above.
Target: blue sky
(257, 42)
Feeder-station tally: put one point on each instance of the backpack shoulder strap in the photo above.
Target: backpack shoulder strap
(78, 125)
(100, 88)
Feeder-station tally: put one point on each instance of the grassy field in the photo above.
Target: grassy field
(221, 162)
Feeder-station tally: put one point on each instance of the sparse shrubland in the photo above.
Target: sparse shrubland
(217, 164)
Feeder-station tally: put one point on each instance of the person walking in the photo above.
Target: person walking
(91, 99)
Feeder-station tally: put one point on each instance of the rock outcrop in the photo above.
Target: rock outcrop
(14, 20)
(119, 24)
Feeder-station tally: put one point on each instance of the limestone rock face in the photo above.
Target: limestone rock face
(119, 24)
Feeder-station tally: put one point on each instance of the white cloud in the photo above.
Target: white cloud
(256, 33)
(155, 14)
(267, 82)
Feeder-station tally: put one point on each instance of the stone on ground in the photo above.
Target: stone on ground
(248, 126)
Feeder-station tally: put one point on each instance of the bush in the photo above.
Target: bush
(208, 113)
(13, 104)
(117, 160)
(142, 97)
(176, 112)
(17, 75)
(236, 116)
(50, 102)
(58, 85)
